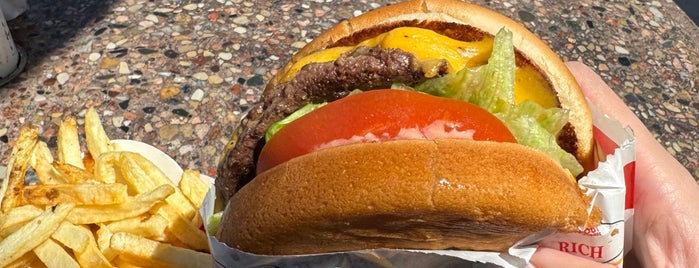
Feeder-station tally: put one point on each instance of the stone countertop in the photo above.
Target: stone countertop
(178, 74)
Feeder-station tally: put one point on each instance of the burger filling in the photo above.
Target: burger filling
(491, 86)
(431, 48)
(484, 73)
(378, 116)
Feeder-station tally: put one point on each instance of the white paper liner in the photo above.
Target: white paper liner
(611, 189)
(606, 185)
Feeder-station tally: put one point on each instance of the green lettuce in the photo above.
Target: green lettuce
(276, 126)
(214, 222)
(536, 127)
(491, 87)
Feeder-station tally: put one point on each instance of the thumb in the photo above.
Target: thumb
(546, 257)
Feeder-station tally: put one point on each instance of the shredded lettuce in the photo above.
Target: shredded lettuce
(214, 222)
(537, 128)
(276, 126)
(491, 87)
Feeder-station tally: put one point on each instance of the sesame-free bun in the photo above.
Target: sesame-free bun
(406, 194)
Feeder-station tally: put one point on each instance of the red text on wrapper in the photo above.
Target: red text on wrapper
(590, 231)
(581, 248)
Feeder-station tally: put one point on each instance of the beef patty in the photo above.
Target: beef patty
(363, 68)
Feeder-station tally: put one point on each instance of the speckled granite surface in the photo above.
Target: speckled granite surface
(178, 74)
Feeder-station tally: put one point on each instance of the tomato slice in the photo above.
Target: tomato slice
(380, 115)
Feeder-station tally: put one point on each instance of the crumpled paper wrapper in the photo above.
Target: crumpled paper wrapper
(610, 186)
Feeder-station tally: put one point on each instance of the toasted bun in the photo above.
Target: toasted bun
(476, 22)
(410, 194)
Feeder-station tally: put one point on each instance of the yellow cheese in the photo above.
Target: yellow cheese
(531, 85)
(427, 46)
(324, 55)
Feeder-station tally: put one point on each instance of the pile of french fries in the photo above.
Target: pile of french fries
(99, 208)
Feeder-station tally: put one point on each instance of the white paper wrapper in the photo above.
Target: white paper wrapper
(611, 189)
(606, 185)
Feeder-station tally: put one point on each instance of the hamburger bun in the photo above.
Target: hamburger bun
(407, 194)
(414, 194)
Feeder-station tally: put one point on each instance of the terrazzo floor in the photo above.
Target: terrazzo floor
(178, 74)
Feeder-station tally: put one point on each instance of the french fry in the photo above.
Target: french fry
(70, 236)
(80, 194)
(46, 173)
(89, 163)
(69, 144)
(12, 185)
(16, 218)
(92, 197)
(71, 173)
(143, 175)
(140, 174)
(19, 215)
(107, 168)
(133, 175)
(149, 253)
(53, 255)
(133, 207)
(193, 187)
(92, 256)
(197, 220)
(121, 263)
(146, 226)
(42, 161)
(27, 260)
(41, 151)
(102, 237)
(183, 229)
(96, 139)
(168, 237)
(33, 233)
(83, 244)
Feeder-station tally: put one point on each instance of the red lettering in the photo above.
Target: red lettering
(591, 231)
(563, 246)
(583, 249)
(596, 252)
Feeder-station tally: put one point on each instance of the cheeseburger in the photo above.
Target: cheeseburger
(431, 124)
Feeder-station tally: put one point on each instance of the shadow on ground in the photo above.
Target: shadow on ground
(691, 7)
(48, 24)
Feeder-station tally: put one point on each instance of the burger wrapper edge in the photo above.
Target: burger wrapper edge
(610, 187)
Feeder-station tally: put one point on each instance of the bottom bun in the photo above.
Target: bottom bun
(407, 194)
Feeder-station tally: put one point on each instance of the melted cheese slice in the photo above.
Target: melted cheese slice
(428, 46)
(531, 85)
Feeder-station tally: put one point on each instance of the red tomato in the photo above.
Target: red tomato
(379, 115)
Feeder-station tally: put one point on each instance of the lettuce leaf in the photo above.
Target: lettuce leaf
(491, 87)
(537, 128)
(276, 126)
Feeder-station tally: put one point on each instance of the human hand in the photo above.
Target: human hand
(666, 196)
